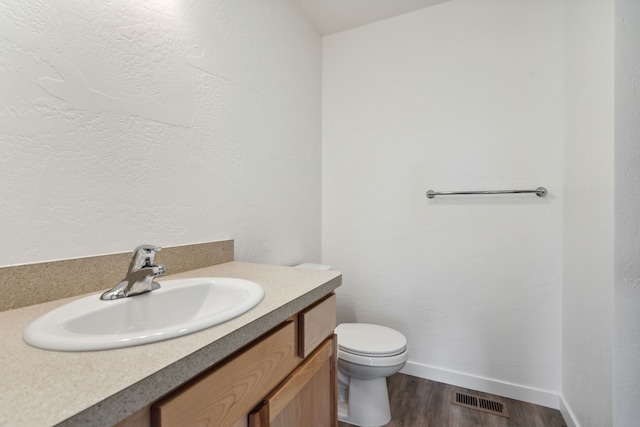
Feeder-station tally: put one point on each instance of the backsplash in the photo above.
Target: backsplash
(30, 284)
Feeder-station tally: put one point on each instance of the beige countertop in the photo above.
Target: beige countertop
(44, 388)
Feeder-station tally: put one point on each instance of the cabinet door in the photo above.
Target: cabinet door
(306, 398)
(224, 396)
(315, 324)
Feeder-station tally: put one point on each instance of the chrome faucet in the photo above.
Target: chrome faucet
(140, 276)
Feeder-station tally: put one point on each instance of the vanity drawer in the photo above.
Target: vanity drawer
(315, 324)
(223, 396)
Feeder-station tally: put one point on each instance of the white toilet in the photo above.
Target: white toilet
(367, 355)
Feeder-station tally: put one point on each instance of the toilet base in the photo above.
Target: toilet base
(367, 405)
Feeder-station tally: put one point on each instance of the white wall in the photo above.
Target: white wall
(158, 121)
(172, 123)
(462, 95)
(626, 347)
(588, 212)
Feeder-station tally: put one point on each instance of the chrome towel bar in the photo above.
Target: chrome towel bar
(540, 192)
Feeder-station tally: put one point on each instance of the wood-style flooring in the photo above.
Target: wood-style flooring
(416, 402)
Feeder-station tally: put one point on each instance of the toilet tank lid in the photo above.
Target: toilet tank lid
(369, 339)
(313, 266)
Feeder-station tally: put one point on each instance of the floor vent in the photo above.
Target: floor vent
(485, 405)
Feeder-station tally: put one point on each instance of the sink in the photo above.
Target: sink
(179, 307)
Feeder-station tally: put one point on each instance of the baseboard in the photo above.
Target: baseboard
(486, 385)
(567, 414)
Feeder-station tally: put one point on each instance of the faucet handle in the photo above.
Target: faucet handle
(143, 256)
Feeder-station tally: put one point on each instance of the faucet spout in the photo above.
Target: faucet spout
(140, 275)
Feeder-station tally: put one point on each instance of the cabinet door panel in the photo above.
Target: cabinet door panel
(307, 398)
(223, 397)
(316, 324)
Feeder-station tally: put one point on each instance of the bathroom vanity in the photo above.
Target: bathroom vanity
(270, 366)
(284, 378)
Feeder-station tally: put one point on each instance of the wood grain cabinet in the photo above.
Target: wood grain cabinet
(286, 378)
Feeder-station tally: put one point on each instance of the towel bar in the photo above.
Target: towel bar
(540, 192)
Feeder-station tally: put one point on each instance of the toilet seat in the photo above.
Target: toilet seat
(372, 345)
(372, 361)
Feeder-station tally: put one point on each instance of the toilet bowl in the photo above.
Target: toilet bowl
(367, 355)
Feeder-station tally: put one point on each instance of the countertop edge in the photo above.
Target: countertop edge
(127, 402)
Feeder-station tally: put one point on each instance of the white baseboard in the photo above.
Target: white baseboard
(514, 391)
(546, 398)
(567, 414)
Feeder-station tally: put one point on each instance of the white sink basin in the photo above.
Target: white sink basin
(178, 308)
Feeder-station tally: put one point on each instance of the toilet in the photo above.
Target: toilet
(367, 355)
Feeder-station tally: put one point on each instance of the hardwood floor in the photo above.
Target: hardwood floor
(416, 402)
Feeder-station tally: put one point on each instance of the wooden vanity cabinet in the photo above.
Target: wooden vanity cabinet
(286, 378)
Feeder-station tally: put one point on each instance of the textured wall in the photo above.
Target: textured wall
(588, 212)
(461, 95)
(626, 348)
(158, 121)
